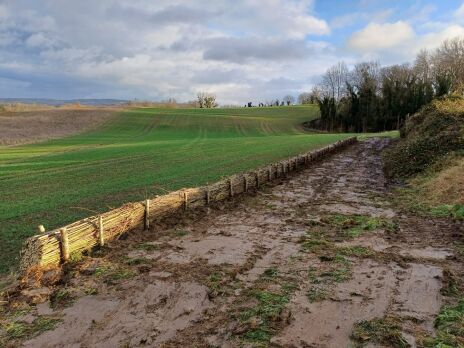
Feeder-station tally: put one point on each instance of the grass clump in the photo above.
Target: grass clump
(114, 275)
(355, 225)
(337, 275)
(271, 272)
(385, 331)
(20, 330)
(317, 293)
(135, 261)
(449, 327)
(215, 283)
(448, 210)
(261, 318)
(355, 251)
(181, 233)
(61, 298)
(148, 247)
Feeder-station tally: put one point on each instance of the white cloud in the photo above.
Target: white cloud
(434, 39)
(459, 13)
(377, 36)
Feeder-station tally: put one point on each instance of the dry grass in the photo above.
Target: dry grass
(448, 186)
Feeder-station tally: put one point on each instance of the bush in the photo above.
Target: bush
(436, 130)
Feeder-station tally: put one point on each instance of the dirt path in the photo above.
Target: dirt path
(301, 264)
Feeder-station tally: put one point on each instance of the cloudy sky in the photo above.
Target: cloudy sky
(238, 49)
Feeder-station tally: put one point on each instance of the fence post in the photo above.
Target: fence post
(207, 195)
(269, 172)
(64, 244)
(101, 232)
(147, 214)
(231, 188)
(185, 200)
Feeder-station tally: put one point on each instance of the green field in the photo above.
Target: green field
(139, 153)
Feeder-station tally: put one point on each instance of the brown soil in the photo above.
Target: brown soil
(32, 126)
(267, 270)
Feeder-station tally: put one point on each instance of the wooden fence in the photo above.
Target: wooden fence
(52, 248)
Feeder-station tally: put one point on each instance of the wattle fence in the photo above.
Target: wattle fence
(55, 247)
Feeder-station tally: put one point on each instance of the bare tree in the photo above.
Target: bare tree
(304, 98)
(448, 64)
(289, 99)
(334, 81)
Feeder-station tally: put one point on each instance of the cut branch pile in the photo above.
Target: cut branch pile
(55, 247)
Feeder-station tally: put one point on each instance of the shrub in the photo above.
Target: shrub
(436, 130)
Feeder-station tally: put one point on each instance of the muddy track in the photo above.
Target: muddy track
(297, 265)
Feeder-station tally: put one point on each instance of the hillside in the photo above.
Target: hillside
(429, 157)
(139, 153)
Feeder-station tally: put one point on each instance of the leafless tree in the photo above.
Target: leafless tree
(334, 81)
(289, 99)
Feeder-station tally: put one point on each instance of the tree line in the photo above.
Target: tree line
(370, 97)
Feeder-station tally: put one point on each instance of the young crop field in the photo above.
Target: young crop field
(139, 154)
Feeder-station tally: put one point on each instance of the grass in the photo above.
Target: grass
(386, 331)
(355, 225)
(262, 316)
(139, 154)
(388, 134)
(449, 327)
(61, 298)
(112, 275)
(19, 330)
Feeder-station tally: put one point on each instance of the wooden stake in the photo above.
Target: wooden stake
(269, 173)
(64, 244)
(147, 214)
(207, 195)
(185, 200)
(231, 188)
(101, 232)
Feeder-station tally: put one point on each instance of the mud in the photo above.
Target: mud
(191, 284)
(33, 126)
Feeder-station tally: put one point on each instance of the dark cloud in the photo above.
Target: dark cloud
(239, 50)
(174, 14)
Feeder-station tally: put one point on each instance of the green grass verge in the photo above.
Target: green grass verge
(450, 327)
(139, 154)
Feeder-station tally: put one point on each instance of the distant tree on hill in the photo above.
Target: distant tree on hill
(304, 98)
(206, 100)
(289, 99)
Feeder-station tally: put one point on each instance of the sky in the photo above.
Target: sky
(240, 50)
